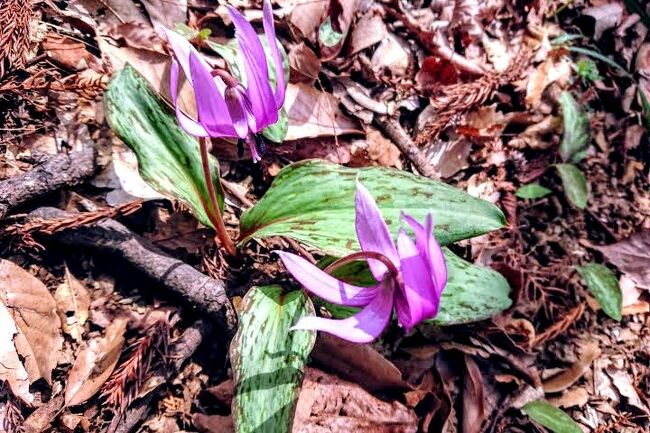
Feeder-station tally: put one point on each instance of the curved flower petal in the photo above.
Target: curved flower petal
(363, 327)
(269, 31)
(210, 103)
(239, 111)
(418, 297)
(426, 241)
(324, 285)
(190, 125)
(258, 87)
(372, 232)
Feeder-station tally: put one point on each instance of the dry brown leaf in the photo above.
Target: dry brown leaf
(306, 17)
(313, 113)
(138, 35)
(571, 398)
(213, 423)
(32, 307)
(607, 15)
(166, 14)
(328, 404)
(473, 399)
(632, 256)
(392, 54)
(382, 150)
(368, 31)
(568, 377)
(305, 63)
(359, 363)
(625, 386)
(94, 363)
(12, 371)
(549, 71)
(72, 305)
(340, 14)
(69, 53)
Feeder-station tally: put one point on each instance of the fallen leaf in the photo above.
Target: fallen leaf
(12, 371)
(632, 257)
(72, 305)
(549, 71)
(305, 63)
(329, 404)
(333, 31)
(436, 72)
(473, 399)
(382, 150)
(313, 113)
(69, 53)
(38, 339)
(306, 17)
(625, 386)
(138, 35)
(571, 398)
(94, 363)
(166, 14)
(606, 15)
(368, 31)
(392, 54)
(359, 363)
(213, 423)
(568, 377)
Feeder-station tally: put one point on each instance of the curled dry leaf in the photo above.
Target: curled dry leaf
(473, 398)
(606, 15)
(36, 333)
(12, 371)
(392, 54)
(313, 113)
(72, 305)
(368, 31)
(69, 53)
(632, 256)
(359, 363)
(94, 364)
(329, 404)
(568, 377)
(549, 71)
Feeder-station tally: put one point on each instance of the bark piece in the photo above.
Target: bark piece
(57, 172)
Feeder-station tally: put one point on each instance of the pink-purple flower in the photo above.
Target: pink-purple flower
(225, 107)
(411, 276)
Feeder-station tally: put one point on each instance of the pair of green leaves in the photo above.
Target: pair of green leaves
(573, 149)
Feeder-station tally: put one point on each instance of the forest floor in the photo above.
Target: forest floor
(464, 91)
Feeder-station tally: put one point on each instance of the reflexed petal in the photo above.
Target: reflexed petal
(269, 30)
(239, 113)
(258, 86)
(427, 242)
(324, 285)
(363, 327)
(190, 126)
(211, 106)
(418, 298)
(372, 232)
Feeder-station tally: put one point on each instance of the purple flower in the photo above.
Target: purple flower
(225, 107)
(411, 276)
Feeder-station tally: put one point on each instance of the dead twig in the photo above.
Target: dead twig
(59, 171)
(404, 142)
(179, 278)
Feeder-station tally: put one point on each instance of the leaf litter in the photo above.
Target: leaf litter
(439, 64)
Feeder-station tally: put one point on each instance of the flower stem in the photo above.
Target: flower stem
(392, 269)
(212, 208)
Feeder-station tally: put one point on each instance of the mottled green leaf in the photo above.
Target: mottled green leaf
(268, 359)
(327, 35)
(575, 141)
(313, 202)
(575, 184)
(551, 417)
(532, 191)
(168, 158)
(472, 292)
(603, 284)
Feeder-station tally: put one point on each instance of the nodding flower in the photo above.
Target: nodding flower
(411, 275)
(227, 107)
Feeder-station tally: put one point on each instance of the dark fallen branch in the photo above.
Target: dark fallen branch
(57, 172)
(181, 279)
(180, 352)
(409, 149)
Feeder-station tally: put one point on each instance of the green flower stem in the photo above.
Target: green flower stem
(212, 208)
